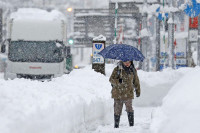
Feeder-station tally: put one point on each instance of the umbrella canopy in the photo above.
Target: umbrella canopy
(122, 52)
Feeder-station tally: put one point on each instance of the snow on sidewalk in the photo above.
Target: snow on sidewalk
(79, 102)
(142, 123)
(180, 109)
(63, 105)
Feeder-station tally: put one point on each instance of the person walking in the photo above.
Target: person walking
(124, 79)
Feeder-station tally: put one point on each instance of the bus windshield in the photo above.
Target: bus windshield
(35, 51)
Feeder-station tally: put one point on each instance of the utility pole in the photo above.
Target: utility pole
(140, 41)
(192, 38)
(198, 44)
(43, 4)
(145, 39)
(164, 43)
(116, 9)
(171, 38)
(70, 20)
(1, 25)
(158, 22)
(157, 44)
(145, 43)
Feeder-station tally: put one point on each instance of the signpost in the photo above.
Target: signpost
(68, 59)
(98, 62)
(192, 10)
(97, 47)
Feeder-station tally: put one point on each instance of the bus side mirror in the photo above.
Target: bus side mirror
(3, 48)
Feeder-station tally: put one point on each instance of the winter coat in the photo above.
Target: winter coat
(124, 90)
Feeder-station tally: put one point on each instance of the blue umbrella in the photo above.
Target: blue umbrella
(122, 52)
(192, 10)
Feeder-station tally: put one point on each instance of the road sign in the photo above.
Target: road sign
(193, 23)
(97, 47)
(193, 35)
(181, 61)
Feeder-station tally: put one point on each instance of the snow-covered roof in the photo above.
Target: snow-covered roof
(148, 8)
(152, 8)
(39, 14)
(91, 14)
(37, 30)
(37, 25)
(100, 38)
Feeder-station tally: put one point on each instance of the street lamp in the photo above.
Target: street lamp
(69, 9)
(69, 24)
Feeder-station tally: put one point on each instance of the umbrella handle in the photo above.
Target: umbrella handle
(120, 71)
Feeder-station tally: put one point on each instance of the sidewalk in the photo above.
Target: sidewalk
(142, 122)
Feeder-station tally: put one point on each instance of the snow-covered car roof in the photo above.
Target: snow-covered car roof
(37, 25)
(34, 13)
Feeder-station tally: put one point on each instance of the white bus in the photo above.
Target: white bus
(35, 44)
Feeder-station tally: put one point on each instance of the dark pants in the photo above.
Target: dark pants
(118, 105)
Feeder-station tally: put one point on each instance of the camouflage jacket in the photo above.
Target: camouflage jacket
(124, 90)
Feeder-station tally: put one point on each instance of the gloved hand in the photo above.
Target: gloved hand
(120, 81)
(137, 93)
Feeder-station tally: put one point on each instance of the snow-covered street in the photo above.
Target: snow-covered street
(80, 102)
(142, 122)
(68, 66)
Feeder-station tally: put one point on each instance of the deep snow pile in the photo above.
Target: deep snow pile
(155, 85)
(65, 105)
(74, 103)
(179, 112)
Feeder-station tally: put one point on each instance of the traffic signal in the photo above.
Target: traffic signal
(71, 41)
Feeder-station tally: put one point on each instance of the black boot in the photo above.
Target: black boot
(117, 119)
(131, 118)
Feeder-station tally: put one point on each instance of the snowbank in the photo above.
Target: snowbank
(156, 85)
(180, 110)
(66, 104)
(74, 103)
